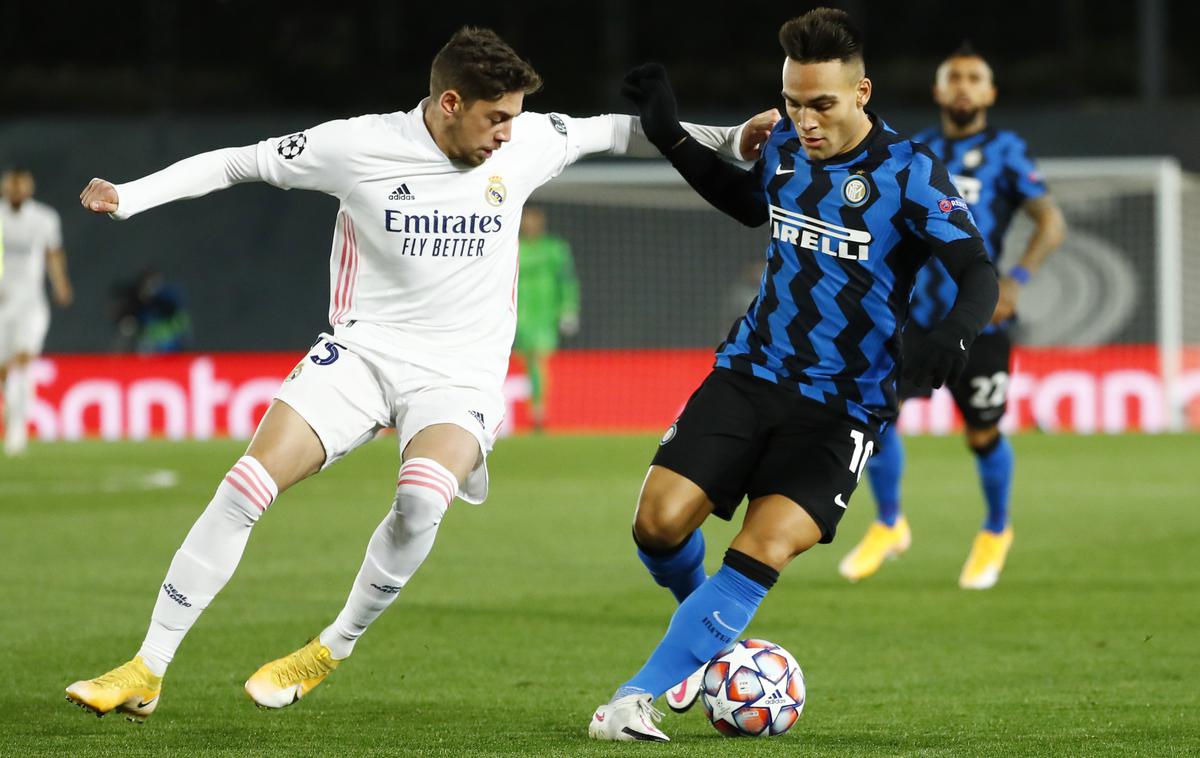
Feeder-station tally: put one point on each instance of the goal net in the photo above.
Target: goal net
(1108, 341)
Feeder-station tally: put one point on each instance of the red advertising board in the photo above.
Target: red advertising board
(1112, 389)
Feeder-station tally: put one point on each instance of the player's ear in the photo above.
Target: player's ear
(863, 92)
(450, 103)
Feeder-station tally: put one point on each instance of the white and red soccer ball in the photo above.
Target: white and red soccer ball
(752, 688)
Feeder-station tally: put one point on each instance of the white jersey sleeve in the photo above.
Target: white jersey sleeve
(618, 134)
(317, 159)
(322, 158)
(553, 141)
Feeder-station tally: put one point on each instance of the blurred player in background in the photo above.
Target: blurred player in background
(149, 315)
(791, 412)
(423, 272)
(32, 248)
(996, 176)
(547, 304)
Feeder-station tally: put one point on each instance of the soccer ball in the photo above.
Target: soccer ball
(753, 688)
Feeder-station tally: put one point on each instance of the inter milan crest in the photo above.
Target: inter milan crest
(669, 434)
(855, 190)
(495, 192)
(972, 158)
(292, 145)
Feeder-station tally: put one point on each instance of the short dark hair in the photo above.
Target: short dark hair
(966, 50)
(481, 66)
(822, 34)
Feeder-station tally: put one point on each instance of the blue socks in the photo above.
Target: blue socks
(995, 465)
(711, 617)
(884, 470)
(680, 570)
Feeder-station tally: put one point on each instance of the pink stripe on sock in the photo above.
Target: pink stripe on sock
(234, 483)
(254, 481)
(427, 485)
(429, 470)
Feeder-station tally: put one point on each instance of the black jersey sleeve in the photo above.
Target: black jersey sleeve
(730, 189)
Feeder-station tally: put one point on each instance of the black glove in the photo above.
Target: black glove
(650, 90)
(939, 358)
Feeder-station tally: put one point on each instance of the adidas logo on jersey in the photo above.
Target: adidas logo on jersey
(402, 193)
(478, 417)
(820, 236)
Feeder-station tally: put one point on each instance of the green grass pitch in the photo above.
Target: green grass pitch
(534, 607)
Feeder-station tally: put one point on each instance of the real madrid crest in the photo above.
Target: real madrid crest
(855, 190)
(496, 191)
(972, 158)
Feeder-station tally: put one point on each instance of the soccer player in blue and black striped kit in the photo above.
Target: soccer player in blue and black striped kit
(994, 173)
(806, 380)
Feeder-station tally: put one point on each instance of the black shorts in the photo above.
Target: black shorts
(740, 437)
(981, 393)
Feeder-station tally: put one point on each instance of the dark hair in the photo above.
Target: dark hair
(823, 34)
(966, 50)
(480, 66)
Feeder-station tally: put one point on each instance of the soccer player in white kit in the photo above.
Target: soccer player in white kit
(32, 247)
(422, 307)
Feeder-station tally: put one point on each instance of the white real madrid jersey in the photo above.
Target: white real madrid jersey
(29, 233)
(424, 251)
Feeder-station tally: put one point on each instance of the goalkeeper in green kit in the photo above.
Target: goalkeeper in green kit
(547, 303)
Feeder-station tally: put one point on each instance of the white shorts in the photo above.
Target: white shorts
(348, 393)
(23, 328)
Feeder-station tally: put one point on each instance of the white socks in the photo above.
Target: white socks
(396, 550)
(17, 397)
(206, 559)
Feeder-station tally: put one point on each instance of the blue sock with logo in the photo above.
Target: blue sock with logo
(884, 470)
(709, 619)
(681, 570)
(995, 465)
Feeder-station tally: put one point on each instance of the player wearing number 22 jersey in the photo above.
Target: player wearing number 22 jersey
(996, 176)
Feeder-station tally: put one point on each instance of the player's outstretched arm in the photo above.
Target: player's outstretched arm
(321, 158)
(190, 177)
(737, 143)
(732, 190)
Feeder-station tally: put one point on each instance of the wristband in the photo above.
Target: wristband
(1019, 274)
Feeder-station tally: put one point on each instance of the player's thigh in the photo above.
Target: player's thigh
(336, 393)
(981, 393)
(670, 507)
(22, 332)
(776, 529)
(462, 420)
(286, 446)
(815, 458)
(716, 439)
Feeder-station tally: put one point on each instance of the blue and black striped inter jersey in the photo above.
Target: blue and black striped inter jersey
(995, 175)
(848, 236)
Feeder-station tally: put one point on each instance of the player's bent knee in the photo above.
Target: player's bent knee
(424, 492)
(657, 528)
(980, 438)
